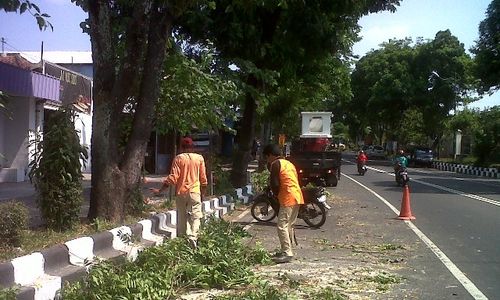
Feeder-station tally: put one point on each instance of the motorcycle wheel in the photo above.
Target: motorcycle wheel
(314, 214)
(262, 209)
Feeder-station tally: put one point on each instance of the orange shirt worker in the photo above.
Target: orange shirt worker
(188, 174)
(285, 186)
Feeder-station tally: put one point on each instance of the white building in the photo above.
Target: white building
(34, 89)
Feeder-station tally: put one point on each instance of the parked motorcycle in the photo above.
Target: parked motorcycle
(266, 206)
(361, 168)
(401, 175)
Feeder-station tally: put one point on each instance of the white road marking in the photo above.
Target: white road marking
(455, 271)
(453, 191)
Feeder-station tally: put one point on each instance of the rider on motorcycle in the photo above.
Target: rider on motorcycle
(400, 165)
(362, 158)
(400, 160)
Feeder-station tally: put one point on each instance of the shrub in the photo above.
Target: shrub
(8, 294)
(260, 180)
(222, 182)
(222, 260)
(13, 220)
(56, 171)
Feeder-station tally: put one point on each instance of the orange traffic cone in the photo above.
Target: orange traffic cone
(405, 212)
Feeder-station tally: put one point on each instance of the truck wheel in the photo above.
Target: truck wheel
(331, 180)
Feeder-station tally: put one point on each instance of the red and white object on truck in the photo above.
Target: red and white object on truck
(316, 159)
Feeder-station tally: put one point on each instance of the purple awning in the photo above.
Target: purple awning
(26, 83)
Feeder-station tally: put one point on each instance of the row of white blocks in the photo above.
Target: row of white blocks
(29, 269)
(465, 169)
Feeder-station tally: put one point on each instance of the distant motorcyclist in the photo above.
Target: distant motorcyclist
(400, 160)
(400, 165)
(361, 159)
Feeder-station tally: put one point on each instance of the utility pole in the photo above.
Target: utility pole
(3, 46)
(457, 135)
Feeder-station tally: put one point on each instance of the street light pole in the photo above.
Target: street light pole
(457, 138)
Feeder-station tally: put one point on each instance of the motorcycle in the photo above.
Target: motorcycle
(401, 175)
(361, 167)
(266, 206)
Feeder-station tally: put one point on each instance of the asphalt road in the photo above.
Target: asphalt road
(460, 214)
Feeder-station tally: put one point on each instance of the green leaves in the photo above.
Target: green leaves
(14, 217)
(55, 171)
(192, 97)
(222, 260)
(487, 49)
(393, 80)
(32, 8)
(487, 146)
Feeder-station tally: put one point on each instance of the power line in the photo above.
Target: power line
(14, 49)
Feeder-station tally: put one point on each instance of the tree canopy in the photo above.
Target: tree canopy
(404, 80)
(487, 49)
(271, 42)
(193, 94)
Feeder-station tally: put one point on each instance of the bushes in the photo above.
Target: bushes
(221, 260)
(221, 180)
(13, 220)
(56, 171)
(260, 180)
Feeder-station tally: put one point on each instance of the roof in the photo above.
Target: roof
(60, 57)
(26, 83)
(14, 59)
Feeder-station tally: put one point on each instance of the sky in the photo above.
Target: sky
(413, 18)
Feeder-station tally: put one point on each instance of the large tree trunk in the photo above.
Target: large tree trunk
(246, 132)
(107, 181)
(116, 172)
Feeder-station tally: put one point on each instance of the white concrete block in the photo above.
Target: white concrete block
(28, 268)
(80, 249)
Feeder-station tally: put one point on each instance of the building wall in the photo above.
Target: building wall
(15, 138)
(84, 69)
(3, 117)
(83, 125)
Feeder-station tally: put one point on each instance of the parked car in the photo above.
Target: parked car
(420, 156)
(374, 151)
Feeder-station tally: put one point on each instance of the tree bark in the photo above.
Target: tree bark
(241, 156)
(265, 139)
(116, 173)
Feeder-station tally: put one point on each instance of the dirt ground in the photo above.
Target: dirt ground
(360, 253)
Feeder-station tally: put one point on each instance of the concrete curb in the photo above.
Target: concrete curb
(40, 275)
(465, 169)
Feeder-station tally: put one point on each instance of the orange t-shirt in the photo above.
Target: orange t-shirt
(289, 193)
(187, 173)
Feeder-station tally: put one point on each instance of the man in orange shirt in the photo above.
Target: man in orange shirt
(285, 186)
(188, 174)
